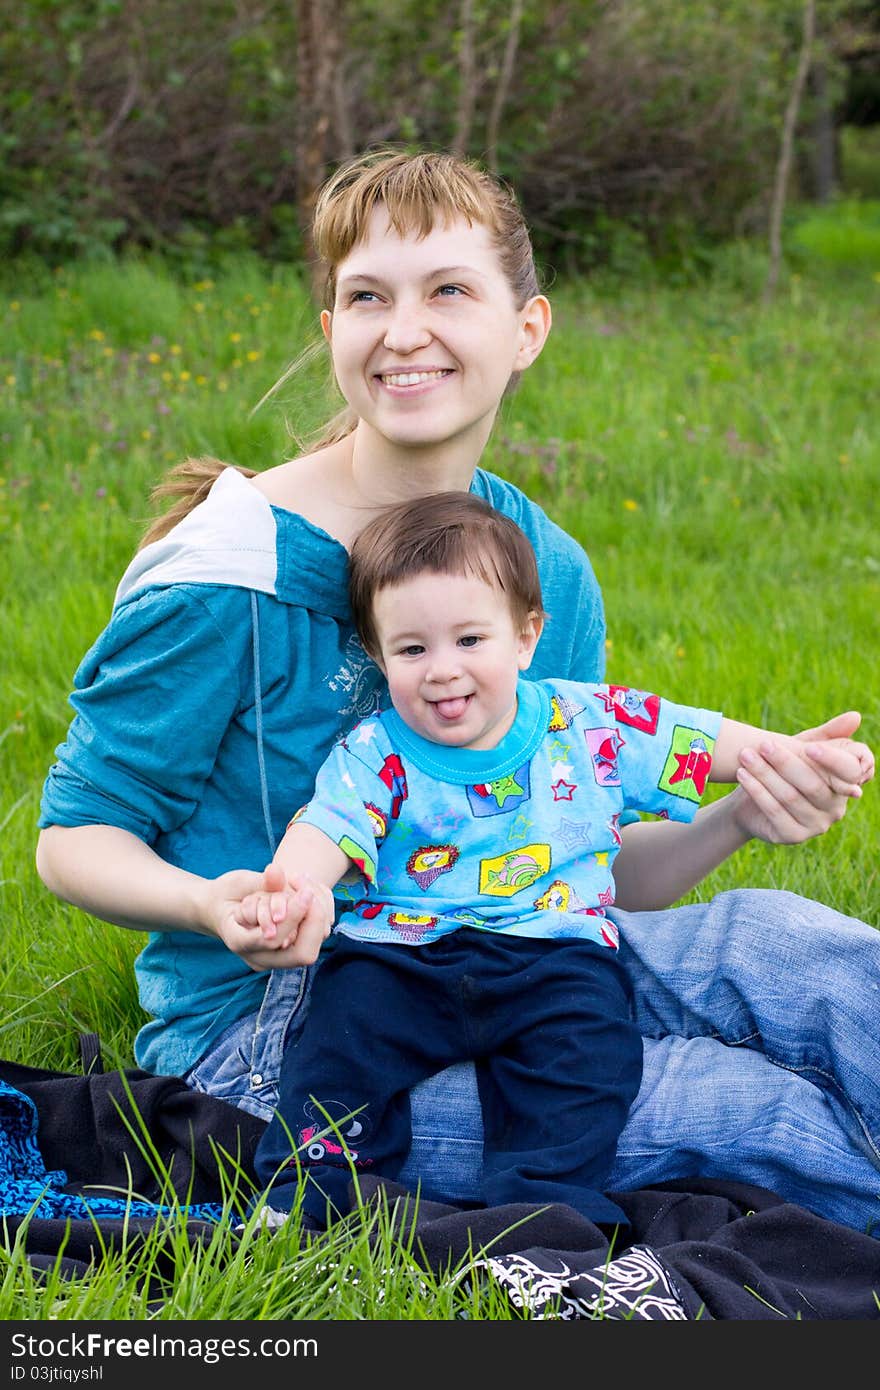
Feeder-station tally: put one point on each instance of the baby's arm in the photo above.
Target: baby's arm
(739, 745)
(297, 901)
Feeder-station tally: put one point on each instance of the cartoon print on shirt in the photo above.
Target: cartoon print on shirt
(428, 863)
(393, 775)
(378, 821)
(688, 764)
(563, 713)
(561, 897)
(363, 862)
(412, 926)
(604, 745)
(633, 707)
(503, 795)
(510, 873)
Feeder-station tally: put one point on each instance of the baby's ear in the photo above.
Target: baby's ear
(529, 638)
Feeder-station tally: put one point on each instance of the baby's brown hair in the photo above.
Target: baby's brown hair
(442, 533)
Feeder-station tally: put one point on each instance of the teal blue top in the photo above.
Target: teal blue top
(227, 671)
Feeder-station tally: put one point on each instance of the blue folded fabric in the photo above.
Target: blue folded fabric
(27, 1186)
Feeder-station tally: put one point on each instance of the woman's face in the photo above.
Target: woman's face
(425, 334)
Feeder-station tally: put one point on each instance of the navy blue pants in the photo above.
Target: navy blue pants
(547, 1023)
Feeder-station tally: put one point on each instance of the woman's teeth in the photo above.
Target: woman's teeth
(411, 378)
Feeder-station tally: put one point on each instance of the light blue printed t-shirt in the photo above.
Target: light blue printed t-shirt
(520, 838)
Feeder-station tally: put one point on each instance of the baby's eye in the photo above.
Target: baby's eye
(413, 650)
(471, 640)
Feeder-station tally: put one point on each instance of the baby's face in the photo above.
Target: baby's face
(452, 654)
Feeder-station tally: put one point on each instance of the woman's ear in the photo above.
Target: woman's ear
(534, 326)
(528, 639)
(326, 323)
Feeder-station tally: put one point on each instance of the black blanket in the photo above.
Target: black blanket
(695, 1249)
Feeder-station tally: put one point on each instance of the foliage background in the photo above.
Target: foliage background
(156, 122)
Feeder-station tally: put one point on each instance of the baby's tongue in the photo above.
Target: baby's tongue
(451, 709)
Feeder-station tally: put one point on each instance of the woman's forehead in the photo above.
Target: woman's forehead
(450, 243)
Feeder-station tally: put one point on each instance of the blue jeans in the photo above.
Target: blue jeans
(760, 1012)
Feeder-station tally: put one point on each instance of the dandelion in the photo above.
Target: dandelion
(843, 458)
(664, 434)
(15, 305)
(167, 376)
(630, 505)
(146, 434)
(183, 376)
(235, 337)
(175, 349)
(153, 357)
(198, 307)
(107, 351)
(876, 277)
(96, 335)
(608, 644)
(255, 310)
(201, 380)
(44, 506)
(680, 652)
(11, 380)
(253, 356)
(223, 384)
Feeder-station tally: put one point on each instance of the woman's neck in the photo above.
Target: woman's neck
(340, 488)
(380, 473)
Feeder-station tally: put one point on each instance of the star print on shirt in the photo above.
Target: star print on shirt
(366, 733)
(562, 790)
(559, 751)
(573, 833)
(503, 788)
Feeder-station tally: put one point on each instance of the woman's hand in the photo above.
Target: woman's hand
(786, 796)
(311, 907)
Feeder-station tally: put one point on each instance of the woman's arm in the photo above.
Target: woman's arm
(113, 875)
(782, 798)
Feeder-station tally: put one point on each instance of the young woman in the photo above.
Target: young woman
(230, 666)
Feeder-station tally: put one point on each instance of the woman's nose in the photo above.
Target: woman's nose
(406, 330)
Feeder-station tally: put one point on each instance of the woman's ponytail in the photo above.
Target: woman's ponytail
(189, 484)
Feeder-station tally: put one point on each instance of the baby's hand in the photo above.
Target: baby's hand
(276, 914)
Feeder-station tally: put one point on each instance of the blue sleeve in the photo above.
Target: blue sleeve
(353, 803)
(663, 750)
(153, 699)
(572, 645)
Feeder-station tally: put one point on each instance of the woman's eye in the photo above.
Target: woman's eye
(362, 297)
(450, 290)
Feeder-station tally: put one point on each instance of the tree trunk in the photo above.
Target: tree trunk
(321, 126)
(467, 84)
(786, 152)
(505, 78)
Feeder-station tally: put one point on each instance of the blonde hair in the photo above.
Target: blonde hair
(441, 533)
(417, 191)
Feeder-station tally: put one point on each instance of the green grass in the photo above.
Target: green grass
(717, 458)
